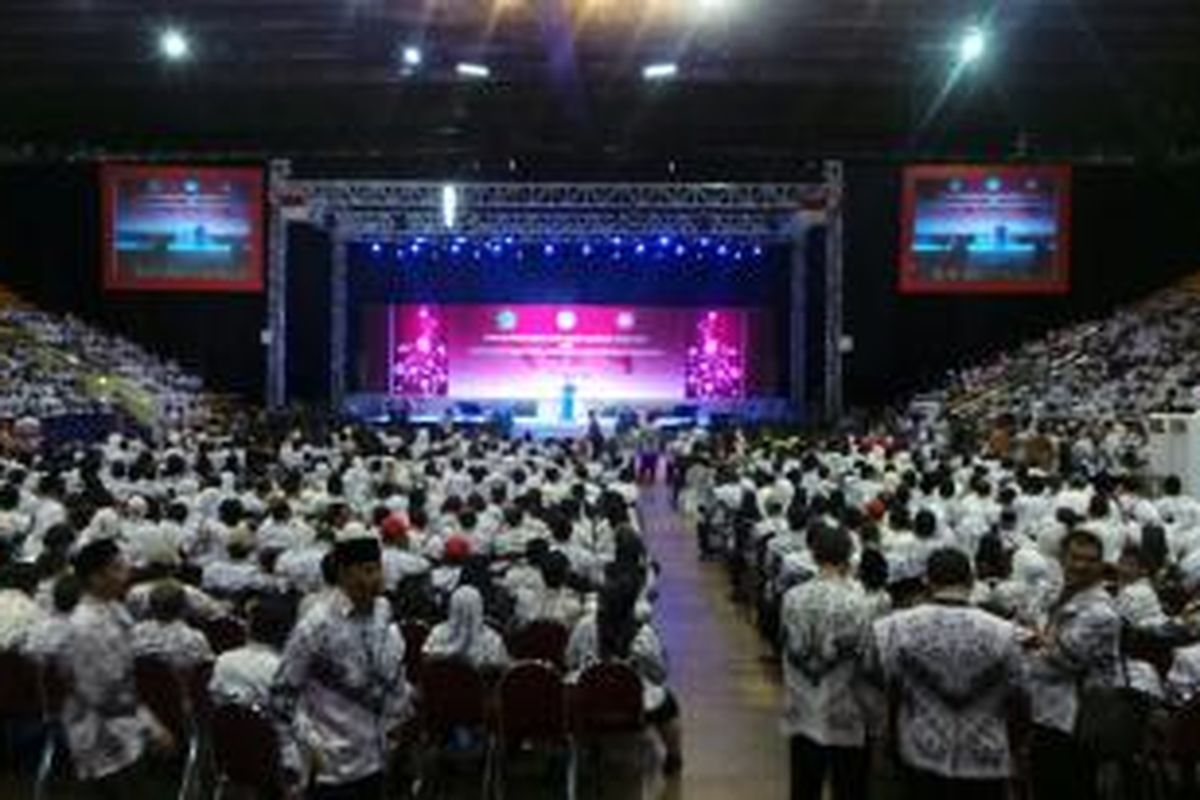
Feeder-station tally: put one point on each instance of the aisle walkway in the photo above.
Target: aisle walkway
(726, 680)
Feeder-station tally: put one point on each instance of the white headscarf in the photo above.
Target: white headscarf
(465, 621)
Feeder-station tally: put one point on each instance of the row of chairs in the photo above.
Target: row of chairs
(530, 705)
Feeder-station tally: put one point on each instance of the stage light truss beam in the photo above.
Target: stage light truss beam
(394, 210)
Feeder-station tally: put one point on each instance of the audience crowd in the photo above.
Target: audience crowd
(986, 586)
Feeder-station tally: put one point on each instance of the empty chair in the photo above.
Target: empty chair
(540, 640)
(179, 700)
(453, 699)
(531, 709)
(224, 633)
(415, 632)
(245, 749)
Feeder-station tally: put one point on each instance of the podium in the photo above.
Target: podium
(1174, 448)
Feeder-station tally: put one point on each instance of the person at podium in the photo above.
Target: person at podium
(567, 410)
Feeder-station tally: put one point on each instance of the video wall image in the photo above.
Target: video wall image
(535, 351)
(178, 228)
(986, 229)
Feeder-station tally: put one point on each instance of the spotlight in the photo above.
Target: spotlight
(660, 72)
(449, 205)
(972, 46)
(376, 248)
(174, 45)
(473, 71)
(548, 249)
(412, 56)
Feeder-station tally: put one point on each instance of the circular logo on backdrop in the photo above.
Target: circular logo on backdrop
(506, 320)
(566, 320)
(626, 321)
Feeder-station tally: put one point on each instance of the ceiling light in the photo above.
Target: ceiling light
(972, 46)
(475, 71)
(660, 72)
(174, 45)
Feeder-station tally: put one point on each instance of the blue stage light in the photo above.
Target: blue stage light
(376, 248)
(616, 241)
(455, 248)
(414, 248)
(758, 251)
(722, 250)
(509, 240)
(640, 249)
(704, 241)
(664, 241)
(680, 250)
(548, 250)
(399, 252)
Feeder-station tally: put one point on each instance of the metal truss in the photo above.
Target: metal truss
(388, 211)
(391, 210)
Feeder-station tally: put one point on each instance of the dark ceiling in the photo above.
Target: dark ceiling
(765, 82)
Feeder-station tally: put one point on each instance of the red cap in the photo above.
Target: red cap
(394, 528)
(456, 549)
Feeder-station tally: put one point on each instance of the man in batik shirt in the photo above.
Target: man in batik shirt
(825, 623)
(1080, 647)
(953, 667)
(106, 730)
(342, 676)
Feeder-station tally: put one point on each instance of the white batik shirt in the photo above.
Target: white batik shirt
(105, 729)
(1084, 647)
(825, 625)
(345, 674)
(955, 666)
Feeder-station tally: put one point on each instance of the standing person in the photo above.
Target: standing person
(825, 624)
(107, 732)
(343, 671)
(1079, 648)
(954, 668)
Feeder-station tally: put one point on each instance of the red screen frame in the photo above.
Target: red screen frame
(909, 280)
(112, 174)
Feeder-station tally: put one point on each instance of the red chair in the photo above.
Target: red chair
(415, 632)
(224, 633)
(605, 703)
(453, 698)
(531, 709)
(245, 750)
(607, 698)
(29, 691)
(540, 640)
(179, 699)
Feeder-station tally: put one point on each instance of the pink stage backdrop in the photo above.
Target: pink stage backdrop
(500, 352)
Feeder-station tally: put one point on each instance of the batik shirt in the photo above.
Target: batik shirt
(825, 624)
(175, 642)
(954, 667)
(344, 674)
(105, 730)
(1083, 650)
(1183, 681)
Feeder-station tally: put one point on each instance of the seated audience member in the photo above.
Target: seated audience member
(615, 633)
(954, 668)
(18, 610)
(243, 676)
(166, 635)
(553, 599)
(465, 636)
(48, 638)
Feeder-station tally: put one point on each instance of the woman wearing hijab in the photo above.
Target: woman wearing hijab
(615, 633)
(465, 636)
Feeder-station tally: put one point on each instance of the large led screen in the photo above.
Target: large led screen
(986, 229)
(603, 352)
(182, 228)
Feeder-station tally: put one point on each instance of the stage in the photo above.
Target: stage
(541, 420)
